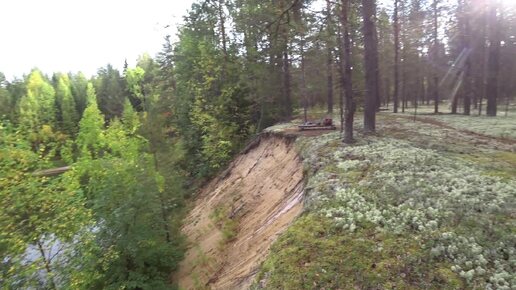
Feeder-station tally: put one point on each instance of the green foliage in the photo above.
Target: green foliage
(17, 89)
(37, 107)
(228, 226)
(213, 110)
(6, 101)
(67, 106)
(90, 139)
(113, 218)
(165, 76)
(38, 214)
(134, 78)
(130, 118)
(110, 88)
(79, 86)
(132, 206)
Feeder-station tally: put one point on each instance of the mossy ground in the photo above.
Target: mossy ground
(314, 254)
(369, 221)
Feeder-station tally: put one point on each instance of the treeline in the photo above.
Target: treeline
(242, 65)
(287, 54)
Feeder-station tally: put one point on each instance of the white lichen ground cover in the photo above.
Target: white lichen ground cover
(502, 126)
(463, 216)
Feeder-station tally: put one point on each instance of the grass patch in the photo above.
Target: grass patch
(225, 224)
(497, 164)
(314, 254)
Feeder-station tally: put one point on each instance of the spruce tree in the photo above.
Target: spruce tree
(37, 107)
(90, 139)
(67, 105)
(5, 99)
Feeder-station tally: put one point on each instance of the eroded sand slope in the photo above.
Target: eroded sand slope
(261, 194)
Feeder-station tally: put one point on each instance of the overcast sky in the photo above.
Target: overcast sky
(82, 35)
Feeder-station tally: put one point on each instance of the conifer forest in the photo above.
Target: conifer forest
(209, 164)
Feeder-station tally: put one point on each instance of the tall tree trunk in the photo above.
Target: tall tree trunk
(404, 85)
(286, 84)
(404, 56)
(329, 72)
(164, 214)
(456, 96)
(287, 90)
(387, 91)
(346, 72)
(493, 62)
(396, 56)
(329, 63)
(468, 85)
(222, 21)
(458, 90)
(435, 57)
(341, 67)
(424, 89)
(303, 79)
(480, 75)
(371, 64)
(377, 71)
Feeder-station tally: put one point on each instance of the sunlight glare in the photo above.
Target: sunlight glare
(508, 3)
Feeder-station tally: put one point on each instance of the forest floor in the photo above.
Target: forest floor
(423, 204)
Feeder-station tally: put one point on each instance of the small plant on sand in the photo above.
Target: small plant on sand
(227, 225)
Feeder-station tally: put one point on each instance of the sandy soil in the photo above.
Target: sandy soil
(261, 192)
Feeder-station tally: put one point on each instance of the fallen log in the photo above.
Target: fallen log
(52, 171)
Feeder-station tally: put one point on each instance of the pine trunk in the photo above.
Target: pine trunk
(346, 73)
(435, 57)
(468, 85)
(396, 56)
(329, 61)
(493, 62)
(371, 64)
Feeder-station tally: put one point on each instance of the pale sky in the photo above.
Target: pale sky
(82, 35)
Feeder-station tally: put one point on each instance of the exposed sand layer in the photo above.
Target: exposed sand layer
(260, 194)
